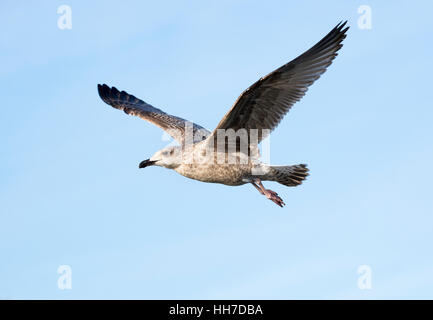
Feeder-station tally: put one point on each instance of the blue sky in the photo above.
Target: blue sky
(71, 192)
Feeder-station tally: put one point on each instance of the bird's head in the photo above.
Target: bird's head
(169, 157)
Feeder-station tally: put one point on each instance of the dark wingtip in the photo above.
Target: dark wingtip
(103, 90)
(341, 25)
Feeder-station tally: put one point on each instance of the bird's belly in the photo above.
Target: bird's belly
(229, 174)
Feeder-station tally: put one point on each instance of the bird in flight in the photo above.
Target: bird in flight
(229, 155)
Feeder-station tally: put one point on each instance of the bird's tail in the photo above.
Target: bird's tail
(290, 176)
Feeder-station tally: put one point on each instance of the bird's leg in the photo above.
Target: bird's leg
(257, 187)
(271, 195)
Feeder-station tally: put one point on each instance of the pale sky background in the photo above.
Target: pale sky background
(71, 192)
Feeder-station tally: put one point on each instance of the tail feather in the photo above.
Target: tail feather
(290, 176)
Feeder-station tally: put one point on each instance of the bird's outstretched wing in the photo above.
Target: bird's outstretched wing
(264, 104)
(173, 125)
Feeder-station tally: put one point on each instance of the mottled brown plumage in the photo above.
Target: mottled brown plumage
(262, 106)
(173, 125)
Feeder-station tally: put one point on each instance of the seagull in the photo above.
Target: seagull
(229, 154)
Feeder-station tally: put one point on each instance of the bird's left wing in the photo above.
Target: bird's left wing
(264, 104)
(173, 125)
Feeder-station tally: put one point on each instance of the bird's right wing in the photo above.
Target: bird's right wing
(174, 126)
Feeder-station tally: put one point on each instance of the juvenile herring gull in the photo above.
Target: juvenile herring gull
(229, 155)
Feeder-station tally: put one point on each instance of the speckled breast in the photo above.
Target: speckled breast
(229, 174)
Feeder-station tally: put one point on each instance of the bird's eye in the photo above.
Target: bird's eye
(171, 152)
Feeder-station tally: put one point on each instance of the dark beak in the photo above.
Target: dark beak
(146, 163)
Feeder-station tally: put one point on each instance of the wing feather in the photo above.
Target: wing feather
(264, 104)
(173, 125)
